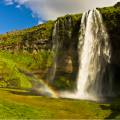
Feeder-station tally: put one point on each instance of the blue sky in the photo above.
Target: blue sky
(20, 14)
(13, 18)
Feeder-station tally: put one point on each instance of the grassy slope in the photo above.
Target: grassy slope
(11, 64)
(22, 104)
(40, 61)
(42, 31)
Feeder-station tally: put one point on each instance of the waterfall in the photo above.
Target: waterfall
(94, 58)
(55, 50)
(61, 33)
(55, 39)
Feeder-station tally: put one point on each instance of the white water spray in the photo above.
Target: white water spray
(55, 38)
(93, 58)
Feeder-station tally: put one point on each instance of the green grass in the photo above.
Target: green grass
(14, 110)
(11, 65)
(10, 75)
(40, 32)
(40, 60)
(14, 66)
(22, 104)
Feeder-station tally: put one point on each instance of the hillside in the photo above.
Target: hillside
(43, 60)
(30, 49)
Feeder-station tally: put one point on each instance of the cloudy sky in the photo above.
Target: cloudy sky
(32, 12)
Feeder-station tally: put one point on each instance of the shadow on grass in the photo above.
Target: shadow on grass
(114, 111)
(24, 92)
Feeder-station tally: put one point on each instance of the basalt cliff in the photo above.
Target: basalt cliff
(50, 52)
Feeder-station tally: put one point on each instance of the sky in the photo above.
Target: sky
(20, 14)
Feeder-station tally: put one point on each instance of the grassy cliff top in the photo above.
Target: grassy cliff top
(44, 31)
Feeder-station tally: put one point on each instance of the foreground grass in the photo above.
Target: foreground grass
(22, 104)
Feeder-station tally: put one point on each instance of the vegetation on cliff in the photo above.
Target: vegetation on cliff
(30, 49)
(28, 54)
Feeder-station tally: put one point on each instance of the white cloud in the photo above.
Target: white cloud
(40, 22)
(18, 6)
(51, 9)
(9, 2)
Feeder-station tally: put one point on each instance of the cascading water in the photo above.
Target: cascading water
(55, 51)
(59, 37)
(93, 58)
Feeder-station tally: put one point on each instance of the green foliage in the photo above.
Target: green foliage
(19, 47)
(62, 83)
(10, 75)
(21, 104)
(43, 31)
(39, 36)
(117, 4)
(76, 19)
(12, 63)
(40, 60)
(111, 17)
(14, 104)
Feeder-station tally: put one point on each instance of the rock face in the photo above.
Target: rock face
(28, 40)
(41, 38)
(117, 4)
(111, 19)
(65, 40)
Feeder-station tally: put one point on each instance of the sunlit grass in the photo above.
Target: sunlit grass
(23, 104)
(11, 65)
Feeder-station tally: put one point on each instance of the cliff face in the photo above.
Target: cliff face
(111, 17)
(29, 40)
(66, 34)
(37, 43)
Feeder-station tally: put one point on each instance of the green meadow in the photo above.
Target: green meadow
(23, 104)
(27, 58)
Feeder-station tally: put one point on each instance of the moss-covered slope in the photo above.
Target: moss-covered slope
(30, 49)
